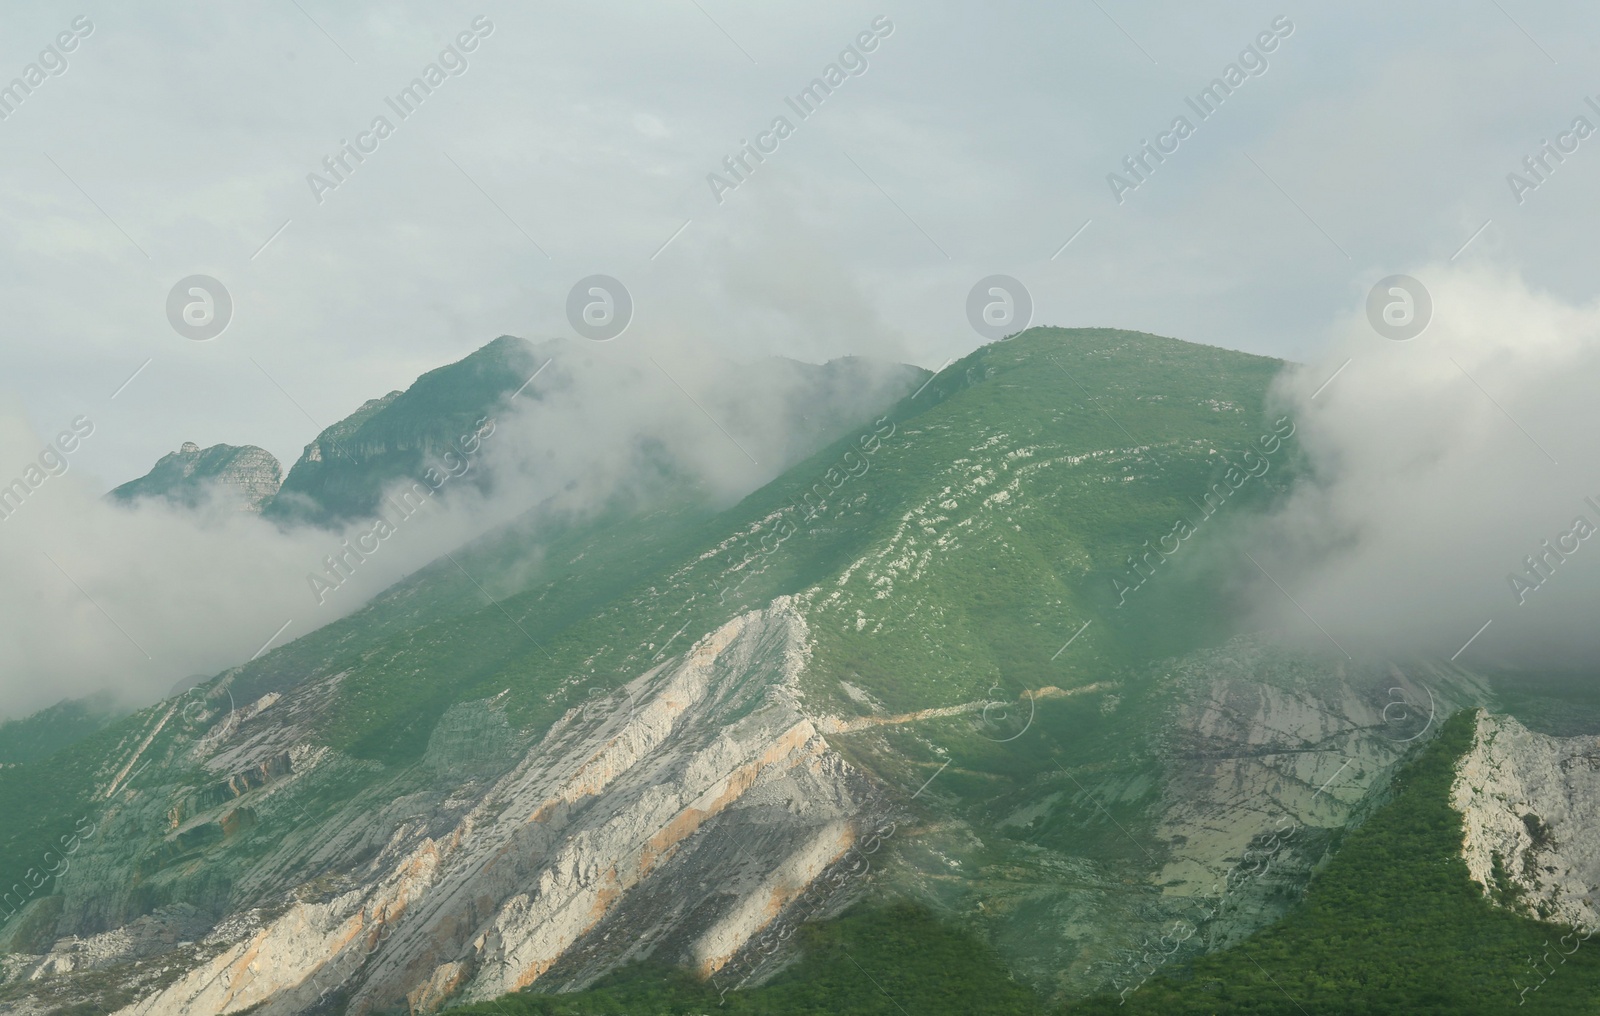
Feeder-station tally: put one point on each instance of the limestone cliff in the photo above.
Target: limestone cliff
(676, 819)
(704, 808)
(243, 476)
(1528, 802)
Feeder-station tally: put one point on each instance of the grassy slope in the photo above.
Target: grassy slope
(595, 603)
(49, 730)
(648, 588)
(874, 962)
(1393, 926)
(960, 591)
(1391, 923)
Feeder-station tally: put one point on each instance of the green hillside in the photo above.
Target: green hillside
(1138, 427)
(878, 961)
(1022, 545)
(1393, 927)
(46, 732)
(601, 605)
(342, 473)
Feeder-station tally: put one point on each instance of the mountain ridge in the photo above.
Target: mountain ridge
(353, 710)
(245, 476)
(342, 473)
(882, 623)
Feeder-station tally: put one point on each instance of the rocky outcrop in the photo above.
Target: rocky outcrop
(1267, 744)
(701, 809)
(676, 825)
(1528, 802)
(1265, 754)
(343, 472)
(243, 476)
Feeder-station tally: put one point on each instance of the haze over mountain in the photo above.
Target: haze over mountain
(1439, 469)
(342, 474)
(635, 733)
(248, 476)
(133, 596)
(998, 500)
(791, 509)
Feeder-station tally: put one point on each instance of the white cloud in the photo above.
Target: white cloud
(590, 128)
(133, 599)
(1438, 465)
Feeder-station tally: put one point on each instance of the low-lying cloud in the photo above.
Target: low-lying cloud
(1440, 469)
(136, 598)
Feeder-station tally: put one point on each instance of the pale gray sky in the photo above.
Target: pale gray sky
(977, 142)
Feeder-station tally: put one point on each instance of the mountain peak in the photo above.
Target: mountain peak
(342, 472)
(245, 475)
(505, 345)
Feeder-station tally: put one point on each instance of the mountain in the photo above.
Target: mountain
(46, 732)
(1398, 921)
(342, 473)
(972, 662)
(784, 408)
(245, 476)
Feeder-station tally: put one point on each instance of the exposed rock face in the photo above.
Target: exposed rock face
(150, 935)
(689, 813)
(1268, 745)
(341, 473)
(1529, 805)
(675, 821)
(243, 475)
(355, 844)
(1220, 811)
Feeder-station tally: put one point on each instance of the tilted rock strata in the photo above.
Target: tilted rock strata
(685, 822)
(1531, 800)
(245, 477)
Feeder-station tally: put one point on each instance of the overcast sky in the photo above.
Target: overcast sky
(978, 141)
(577, 139)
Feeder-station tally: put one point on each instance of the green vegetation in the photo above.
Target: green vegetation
(183, 478)
(397, 437)
(884, 961)
(1393, 927)
(49, 730)
(922, 588)
(1101, 440)
(593, 603)
(1007, 514)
